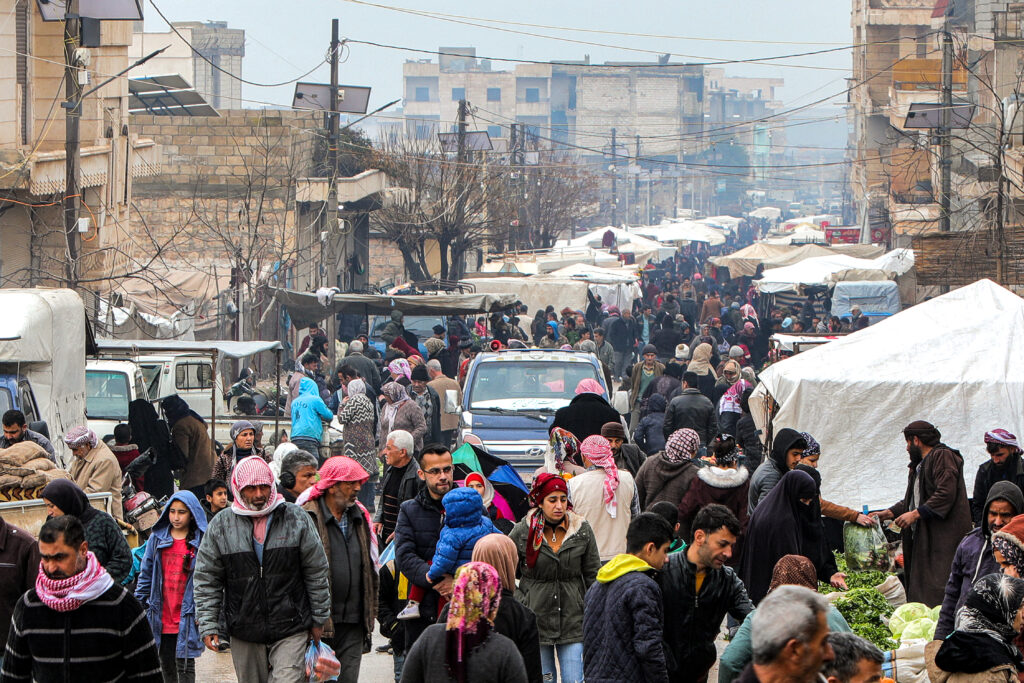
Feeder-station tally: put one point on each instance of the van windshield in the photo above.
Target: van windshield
(106, 395)
(527, 385)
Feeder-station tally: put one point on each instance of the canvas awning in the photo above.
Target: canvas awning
(225, 348)
(305, 309)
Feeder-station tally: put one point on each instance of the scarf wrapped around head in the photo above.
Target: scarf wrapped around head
(813, 447)
(1002, 437)
(749, 311)
(682, 445)
(598, 451)
(991, 607)
(64, 595)
(335, 470)
(544, 484)
(476, 594)
(488, 494)
(400, 366)
(589, 386)
(499, 551)
(357, 387)
(701, 361)
(80, 436)
(562, 445)
(794, 570)
(254, 471)
(395, 393)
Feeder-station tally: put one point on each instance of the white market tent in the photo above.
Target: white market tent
(856, 394)
(805, 233)
(729, 223)
(627, 242)
(769, 213)
(685, 231)
(536, 291)
(825, 269)
(743, 263)
(616, 287)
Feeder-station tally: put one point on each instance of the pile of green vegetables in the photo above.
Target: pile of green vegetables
(862, 606)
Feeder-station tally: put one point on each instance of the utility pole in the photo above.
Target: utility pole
(636, 181)
(945, 138)
(334, 238)
(72, 140)
(513, 141)
(454, 270)
(615, 189)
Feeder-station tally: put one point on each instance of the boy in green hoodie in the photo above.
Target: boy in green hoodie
(622, 613)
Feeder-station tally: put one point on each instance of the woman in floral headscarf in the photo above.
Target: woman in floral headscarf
(558, 560)
(400, 412)
(562, 456)
(401, 371)
(466, 647)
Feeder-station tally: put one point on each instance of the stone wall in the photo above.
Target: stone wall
(386, 263)
(227, 182)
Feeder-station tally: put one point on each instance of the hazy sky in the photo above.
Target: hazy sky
(285, 39)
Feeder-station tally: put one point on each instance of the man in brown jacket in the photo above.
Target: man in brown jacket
(934, 514)
(442, 384)
(347, 533)
(95, 468)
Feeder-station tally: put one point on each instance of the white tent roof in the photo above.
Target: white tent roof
(856, 394)
(686, 231)
(595, 274)
(770, 213)
(801, 234)
(824, 269)
(627, 242)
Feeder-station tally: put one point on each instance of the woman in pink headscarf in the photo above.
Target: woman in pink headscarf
(604, 496)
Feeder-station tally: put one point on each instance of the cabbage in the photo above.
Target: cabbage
(923, 628)
(905, 614)
(935, 612)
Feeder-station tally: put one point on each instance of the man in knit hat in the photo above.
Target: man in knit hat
(427, 398)
(933, 515)
(263, 563)
(346, 532)
(628, 456)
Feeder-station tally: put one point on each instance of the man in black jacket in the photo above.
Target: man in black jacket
(697, 591)
(400, 482)
(691, 409)
(1004, 465)
(417, 532)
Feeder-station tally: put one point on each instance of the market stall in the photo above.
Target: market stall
(856, 394)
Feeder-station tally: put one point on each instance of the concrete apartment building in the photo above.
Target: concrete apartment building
(33, 244)
(570, 104)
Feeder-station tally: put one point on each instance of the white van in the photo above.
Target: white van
(110, 385)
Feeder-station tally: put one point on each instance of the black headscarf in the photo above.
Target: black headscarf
(781, 525)
(175, 408)
(71, 500)
(817, 546)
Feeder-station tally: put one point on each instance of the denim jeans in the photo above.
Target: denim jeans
(399, 663)
(570, 662)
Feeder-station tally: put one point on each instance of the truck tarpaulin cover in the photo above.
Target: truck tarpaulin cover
(305, 309)
(948, 361)
(43, 338)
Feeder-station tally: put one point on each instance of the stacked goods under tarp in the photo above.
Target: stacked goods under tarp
(24, 470)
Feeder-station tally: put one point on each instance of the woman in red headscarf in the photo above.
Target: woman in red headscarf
(558, 560)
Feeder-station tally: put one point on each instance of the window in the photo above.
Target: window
(422, 94)
(26, 402)
(494, 131)
(533, 94)
(424, 130)
(193, 376)
(494, 94)
(458, 94)
(106, 395)
(151, 376)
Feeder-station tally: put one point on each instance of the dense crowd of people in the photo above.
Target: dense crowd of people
(645, 532)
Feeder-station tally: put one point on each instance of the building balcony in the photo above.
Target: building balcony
(43, 173)
(1009, 25)
(539, 108)
(899, 12)
(924, 74)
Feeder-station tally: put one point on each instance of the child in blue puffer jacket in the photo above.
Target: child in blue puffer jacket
(465, 522)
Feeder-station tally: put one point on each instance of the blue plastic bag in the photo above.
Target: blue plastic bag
(321, 663)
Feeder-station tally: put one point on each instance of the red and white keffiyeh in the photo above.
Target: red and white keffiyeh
(64, 595)
(598, 451)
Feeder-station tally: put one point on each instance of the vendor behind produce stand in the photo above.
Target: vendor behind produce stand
(933, 515)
